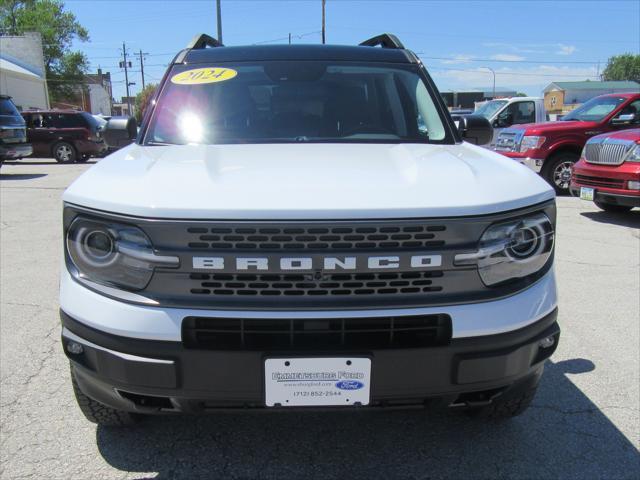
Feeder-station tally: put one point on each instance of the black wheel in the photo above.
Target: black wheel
(557, 171)
(64, 152)
(99, 413)
(609, 207)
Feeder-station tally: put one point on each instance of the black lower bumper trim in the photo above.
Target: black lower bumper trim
(612, 198)
(114, 369)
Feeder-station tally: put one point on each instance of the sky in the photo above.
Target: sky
(528, 44)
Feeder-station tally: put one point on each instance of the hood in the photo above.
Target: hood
(306, 181)
(632, 135)
(535, 128)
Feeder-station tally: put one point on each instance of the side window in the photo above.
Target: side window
(525, 112)
(45, 121)
(64, 121)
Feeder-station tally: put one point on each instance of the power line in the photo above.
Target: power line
(518, 74)
(474, 59)
(299, 37)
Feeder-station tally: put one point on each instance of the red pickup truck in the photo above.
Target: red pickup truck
(552, 148)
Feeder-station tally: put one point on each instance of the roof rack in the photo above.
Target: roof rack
(203, 40)
(385, 40)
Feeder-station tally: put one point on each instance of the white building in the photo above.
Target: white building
(100, 93)
(22, 73)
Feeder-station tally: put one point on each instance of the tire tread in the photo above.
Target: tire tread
(99, 413)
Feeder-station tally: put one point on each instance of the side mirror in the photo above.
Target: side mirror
(120, 131)
(623, 119)
(475, 129)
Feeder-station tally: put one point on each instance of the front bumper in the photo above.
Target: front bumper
(602, 178)
(10, 151)
(534, 164)
(158, 376)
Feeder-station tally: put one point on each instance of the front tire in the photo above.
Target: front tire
(99, 413)
(557, 171)
(64, 152)
(609, 207)
(511, 403)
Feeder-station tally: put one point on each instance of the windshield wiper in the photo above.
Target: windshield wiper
(159, 144)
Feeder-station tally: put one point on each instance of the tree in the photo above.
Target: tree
(142, 100)
(64, 68)
(622, 67)
(520, 94)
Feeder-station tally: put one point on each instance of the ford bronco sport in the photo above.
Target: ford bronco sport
(304, 226)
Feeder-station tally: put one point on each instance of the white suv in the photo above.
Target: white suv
(304, 226)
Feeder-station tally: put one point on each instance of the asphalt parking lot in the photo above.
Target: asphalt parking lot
(584, 423)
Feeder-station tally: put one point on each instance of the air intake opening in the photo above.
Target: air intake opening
(148, 401)
(416, 331)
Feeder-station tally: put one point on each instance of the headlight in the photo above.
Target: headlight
(531, 142)
(113, 254)
(633, 155)
(512, 250)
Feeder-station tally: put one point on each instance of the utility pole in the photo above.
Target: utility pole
(323, 21)
(289, 39)
(124, 64)
(219, 17)
(141, 55)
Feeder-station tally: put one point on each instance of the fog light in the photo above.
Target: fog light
(633, 185)
(74, 348)
(547, 342)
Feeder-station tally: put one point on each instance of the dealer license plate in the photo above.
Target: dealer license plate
(295, 382)
(587, 193)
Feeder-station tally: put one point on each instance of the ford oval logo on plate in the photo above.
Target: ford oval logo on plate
(349, 385)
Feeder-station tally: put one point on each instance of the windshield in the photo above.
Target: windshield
(8, 108)
(595, 109)
(302, 101)
(489, 109)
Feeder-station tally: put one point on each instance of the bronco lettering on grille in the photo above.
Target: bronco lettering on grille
(319, 262)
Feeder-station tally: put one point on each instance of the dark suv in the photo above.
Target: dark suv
(13, 135)
(66, 135)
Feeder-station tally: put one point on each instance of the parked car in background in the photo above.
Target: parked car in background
(66, 135)
(552, 148)
(506, 112)
(608, 172)
(13, 133)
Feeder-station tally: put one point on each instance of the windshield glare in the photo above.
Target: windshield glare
(303, 101)
(488, 109)
(595, 109)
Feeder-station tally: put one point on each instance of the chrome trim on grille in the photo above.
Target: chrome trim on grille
(606, 151)
(66, 333)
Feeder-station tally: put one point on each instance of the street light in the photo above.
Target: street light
(494, 81)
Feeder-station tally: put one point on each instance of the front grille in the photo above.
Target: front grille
(315, 238)
(599, 181)
(606, 153)
(508, 142)
(316, 334)
(360, 284)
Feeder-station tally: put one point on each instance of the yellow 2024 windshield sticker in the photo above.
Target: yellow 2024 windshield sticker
(198, 76)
